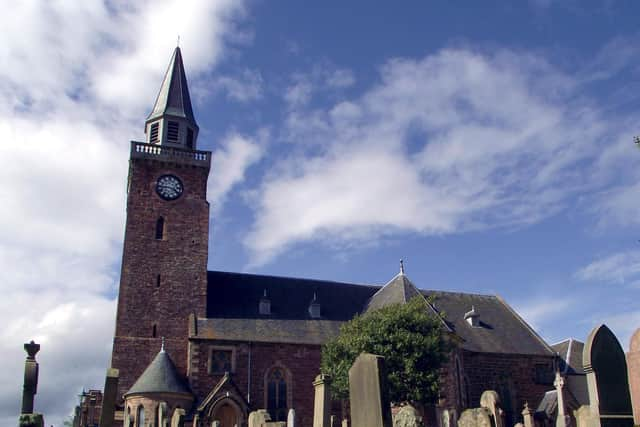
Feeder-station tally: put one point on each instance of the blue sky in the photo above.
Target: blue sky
(488, 144)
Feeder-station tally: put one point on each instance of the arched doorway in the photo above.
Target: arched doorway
(228, 414)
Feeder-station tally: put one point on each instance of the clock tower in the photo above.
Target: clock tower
(164, 260)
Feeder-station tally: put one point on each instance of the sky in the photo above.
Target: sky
(488, 144)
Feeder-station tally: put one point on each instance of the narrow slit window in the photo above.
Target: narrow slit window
(154, 330)
(173, 132)
(153, 133)
(160, 229)
(190, 138)
(158, 281)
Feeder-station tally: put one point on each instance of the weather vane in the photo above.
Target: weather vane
(636, 140)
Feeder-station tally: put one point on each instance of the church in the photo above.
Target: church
(218, 345)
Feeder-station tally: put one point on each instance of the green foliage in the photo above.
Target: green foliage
(410, 338)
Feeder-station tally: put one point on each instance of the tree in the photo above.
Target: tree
(410, 338)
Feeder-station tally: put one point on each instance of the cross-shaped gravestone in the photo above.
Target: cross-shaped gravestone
(559, 384)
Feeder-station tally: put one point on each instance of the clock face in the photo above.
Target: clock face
(169, 187)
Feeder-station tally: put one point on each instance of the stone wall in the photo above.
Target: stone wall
(514, 377)
(162, 281)
(301, 363)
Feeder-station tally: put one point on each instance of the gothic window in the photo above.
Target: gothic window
(221, 361)
(277, 394)
(160, 229)
(140, 417)
(153, 133)
(173, 132)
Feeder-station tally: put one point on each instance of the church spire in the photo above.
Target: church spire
(171, 121)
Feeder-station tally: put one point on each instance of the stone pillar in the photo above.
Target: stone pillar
(527, 415)
(109, 398)
(30, 387)
(322, 401)
(559, 384)
(633, 366)
(291, 418)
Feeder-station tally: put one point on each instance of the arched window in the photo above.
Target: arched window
(277, 394)
(140, 417)
(160, 228)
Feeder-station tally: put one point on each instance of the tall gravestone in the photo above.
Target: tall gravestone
(633, 363)
(322, 401)
(606, 368)
(109, 398)
(368, 394)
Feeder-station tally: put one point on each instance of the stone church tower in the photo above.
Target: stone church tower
(164, 263)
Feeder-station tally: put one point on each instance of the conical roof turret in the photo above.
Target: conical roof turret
(161, 376)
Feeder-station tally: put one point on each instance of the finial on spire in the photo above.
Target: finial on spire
(162, 347)
(402, 267)
(178, 42)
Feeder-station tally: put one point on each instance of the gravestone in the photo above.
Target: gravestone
(490, 400)
(215, 423)
(345, 422)
(608, 386)
(476, 417)
(109, 398)
(291, 418)
(561, 419)
(259, 417)
(368, 394)
(527, 416)
(322, 401)
(633, 363)
(407, 416)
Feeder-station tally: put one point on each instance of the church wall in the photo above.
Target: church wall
(301, 363)
(523, 378)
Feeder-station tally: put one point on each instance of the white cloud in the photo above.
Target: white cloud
(77, 80)
(324, 78)
(622, 267)
(245, 86)
(230, 162)
(453, 142)
(545, 311)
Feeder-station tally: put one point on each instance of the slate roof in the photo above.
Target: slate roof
(501, 329)
(173, 98)
(160, 376)
(269, 330)
(397, 290)
(570, 350)
(233, 298)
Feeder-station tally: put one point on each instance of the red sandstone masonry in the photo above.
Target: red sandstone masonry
(180, 259)
(301, 362)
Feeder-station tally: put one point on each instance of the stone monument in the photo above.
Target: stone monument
(368, 394)
(407, 416)
(633, 363)
(30, 387)
(322, 401)
(109, 398)
(561, 420)
(608, 386)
